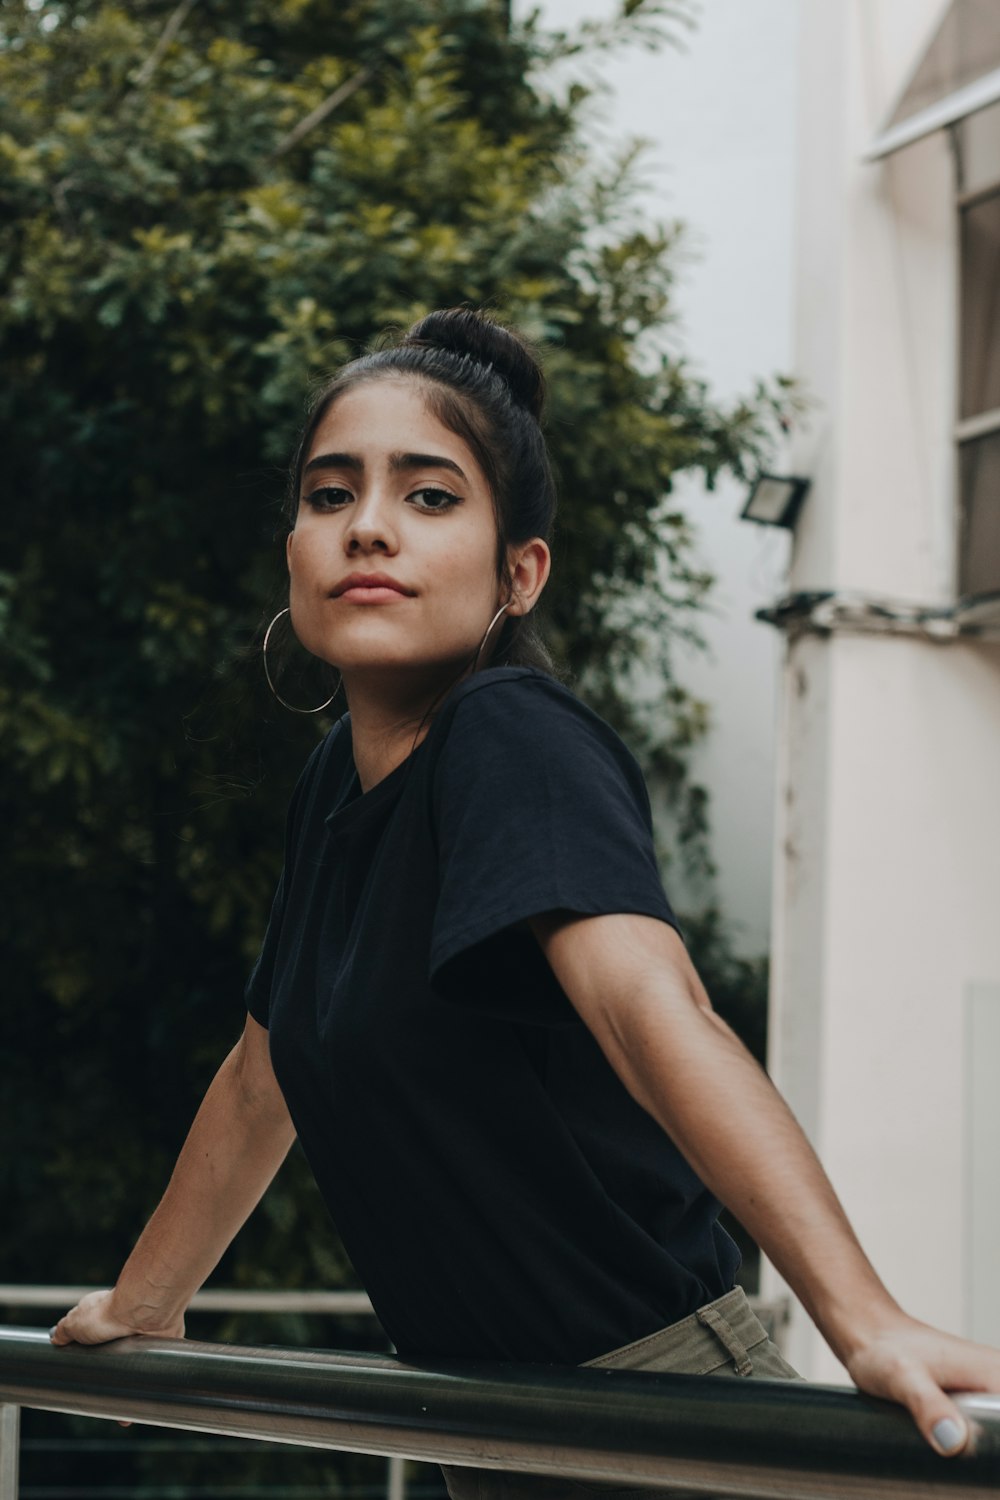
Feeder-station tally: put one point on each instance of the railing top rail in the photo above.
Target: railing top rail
(721, 1437)
(217, 1299)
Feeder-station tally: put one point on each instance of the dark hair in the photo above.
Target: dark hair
(484, 382)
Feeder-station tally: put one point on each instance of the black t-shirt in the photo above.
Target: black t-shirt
(499, 1192)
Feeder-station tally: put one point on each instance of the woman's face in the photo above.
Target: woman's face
(387, 490)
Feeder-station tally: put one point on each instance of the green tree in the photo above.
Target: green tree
(205, 208)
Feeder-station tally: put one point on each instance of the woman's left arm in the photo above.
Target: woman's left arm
(633, 983)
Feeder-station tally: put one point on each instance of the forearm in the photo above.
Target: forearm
(632, 981)
(688, 1069)
(233, 1150)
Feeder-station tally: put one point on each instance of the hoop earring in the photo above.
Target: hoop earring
(274, 690)
(482, 643)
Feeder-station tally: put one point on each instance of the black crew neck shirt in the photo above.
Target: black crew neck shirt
(499, 1192)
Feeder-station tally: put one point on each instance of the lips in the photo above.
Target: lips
(368, 581)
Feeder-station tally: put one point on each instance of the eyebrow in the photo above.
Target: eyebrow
(398, 462)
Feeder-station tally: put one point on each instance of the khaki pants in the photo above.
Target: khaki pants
(722, 1338)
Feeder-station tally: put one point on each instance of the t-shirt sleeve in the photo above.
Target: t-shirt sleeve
(257, 992)
(538, 806)
(258, 987)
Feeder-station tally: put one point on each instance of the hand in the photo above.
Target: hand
(914, 1364)
(96, 1320)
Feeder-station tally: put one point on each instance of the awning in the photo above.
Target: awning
(958, 74)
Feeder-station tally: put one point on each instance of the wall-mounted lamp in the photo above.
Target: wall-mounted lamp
(774, 499)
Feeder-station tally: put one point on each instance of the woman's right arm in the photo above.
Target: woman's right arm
(240, 1136)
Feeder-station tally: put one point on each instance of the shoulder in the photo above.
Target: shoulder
(508, 721)
(519, 697)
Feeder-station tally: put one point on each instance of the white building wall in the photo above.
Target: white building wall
(888, 829)
(719, 113)
(886, 840)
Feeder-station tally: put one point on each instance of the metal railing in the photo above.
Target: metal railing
(772, 1314)
(214, 1300)
(15, 1297)
(720, 1437)
(397, 1484)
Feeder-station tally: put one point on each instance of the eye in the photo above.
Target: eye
(327, 497)
(435, 499)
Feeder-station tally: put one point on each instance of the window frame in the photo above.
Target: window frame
(966, 430)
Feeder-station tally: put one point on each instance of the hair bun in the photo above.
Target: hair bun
(466, 331)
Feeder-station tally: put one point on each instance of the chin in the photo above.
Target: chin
(393, 650)
(383, 664)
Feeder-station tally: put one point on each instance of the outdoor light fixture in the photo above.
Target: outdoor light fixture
(774, 499)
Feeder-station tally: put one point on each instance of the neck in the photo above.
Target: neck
(388, 722)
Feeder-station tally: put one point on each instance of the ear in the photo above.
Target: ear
(288, 548)
(530, 564)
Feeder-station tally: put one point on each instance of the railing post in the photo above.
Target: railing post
(10, 1441)
(395, 1484)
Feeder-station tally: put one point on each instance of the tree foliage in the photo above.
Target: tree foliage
(204, 209)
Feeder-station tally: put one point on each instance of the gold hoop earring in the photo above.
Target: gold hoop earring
(274, 690)
(482, 643)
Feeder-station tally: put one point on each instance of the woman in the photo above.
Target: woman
(472, 1004)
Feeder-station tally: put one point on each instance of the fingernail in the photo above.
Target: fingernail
(948, 1434)
(53, 1329)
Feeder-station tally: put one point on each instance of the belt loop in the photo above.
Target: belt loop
(727, 1338)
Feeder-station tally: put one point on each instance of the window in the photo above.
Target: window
(956, 76)
(979, 544)
(978, 428)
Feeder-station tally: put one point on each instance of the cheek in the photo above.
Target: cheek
(309, 579)
(309, 554)
(469, 563)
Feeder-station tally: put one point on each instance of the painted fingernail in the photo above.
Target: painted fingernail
(948, 1434)
(53, 1329)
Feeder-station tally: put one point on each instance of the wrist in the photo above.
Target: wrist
(851, 1325)
(145, 1307)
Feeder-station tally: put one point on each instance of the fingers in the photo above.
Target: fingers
(918, 1366)
(953, 1365)
(950, 1434)
(63, 1331)
(70, 1330)
(914, 1386)
(940, 1422)
(88, 1322)
(67, 1329)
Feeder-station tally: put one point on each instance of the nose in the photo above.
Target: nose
(371, 527)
